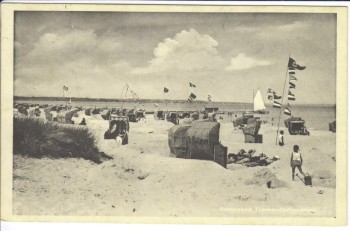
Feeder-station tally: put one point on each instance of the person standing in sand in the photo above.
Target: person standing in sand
(281, 138)
(296, 161)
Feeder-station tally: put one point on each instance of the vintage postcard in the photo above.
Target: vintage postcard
(174, 114)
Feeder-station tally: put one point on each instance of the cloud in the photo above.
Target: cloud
(296, 25)
(72, 45)
(242, 62)
(289, 30)
(80, 59)
(187, 51)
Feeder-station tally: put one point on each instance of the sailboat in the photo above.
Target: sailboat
(259, 105)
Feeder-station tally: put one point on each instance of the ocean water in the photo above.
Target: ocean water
(315, 116)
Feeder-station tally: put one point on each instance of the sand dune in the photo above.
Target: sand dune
(143, 179)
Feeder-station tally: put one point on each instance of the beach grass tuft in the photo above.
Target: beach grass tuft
(36, 138)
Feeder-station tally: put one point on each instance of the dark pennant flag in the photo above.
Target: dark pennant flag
(292, 65)
(276, 96)
(291, 85)
(291, 96)
(192, 85)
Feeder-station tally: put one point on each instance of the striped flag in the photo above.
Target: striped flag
(291, 72)
(192, 85)
(192, 97)
(276, 104)
(292, 78)
(291, 96)
(270, 94)
(269, 90)
(287, 111)
(65, 88)
(291, 85)
(276, 96)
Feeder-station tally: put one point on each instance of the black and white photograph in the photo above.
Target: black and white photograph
(175, 112)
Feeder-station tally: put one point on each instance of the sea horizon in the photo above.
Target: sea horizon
(89, 99)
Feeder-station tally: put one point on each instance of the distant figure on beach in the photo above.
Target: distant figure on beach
(54, 115)
(272, 122)
(83, 122)
(281, 138)
(296, 161)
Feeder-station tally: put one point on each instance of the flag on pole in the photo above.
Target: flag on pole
(290, 95)
(166, 90)
(292, 78)
(276, 96)
(209, 98)
(292, 65)
(65, 88)
(291, 85)
(287, 111)
(291, 72)
(276, 104)
(192, 85)
(192, 97)
(270, 94)
(269, 90)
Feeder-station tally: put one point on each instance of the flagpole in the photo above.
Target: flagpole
(63, 96)
(284, 88)
(166, 103)
(121, 95)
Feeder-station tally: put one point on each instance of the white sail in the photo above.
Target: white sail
(259, 102)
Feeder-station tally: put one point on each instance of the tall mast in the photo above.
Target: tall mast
(284, 87)
(63, 98)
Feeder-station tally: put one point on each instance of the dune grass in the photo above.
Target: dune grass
(36, 138)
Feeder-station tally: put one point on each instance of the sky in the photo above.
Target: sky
(226, 55)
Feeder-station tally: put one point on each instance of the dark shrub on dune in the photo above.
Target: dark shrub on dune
(36, 138)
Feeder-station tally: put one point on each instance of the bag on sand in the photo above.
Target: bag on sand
(307, 180)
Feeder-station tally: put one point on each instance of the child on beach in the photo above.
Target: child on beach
(296, 161)
(281, 139)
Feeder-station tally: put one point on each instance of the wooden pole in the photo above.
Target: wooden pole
(121, 95)
(166, 101)
(63, 96)
(284, 87)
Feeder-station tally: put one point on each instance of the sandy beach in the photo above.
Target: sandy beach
(144, 179)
